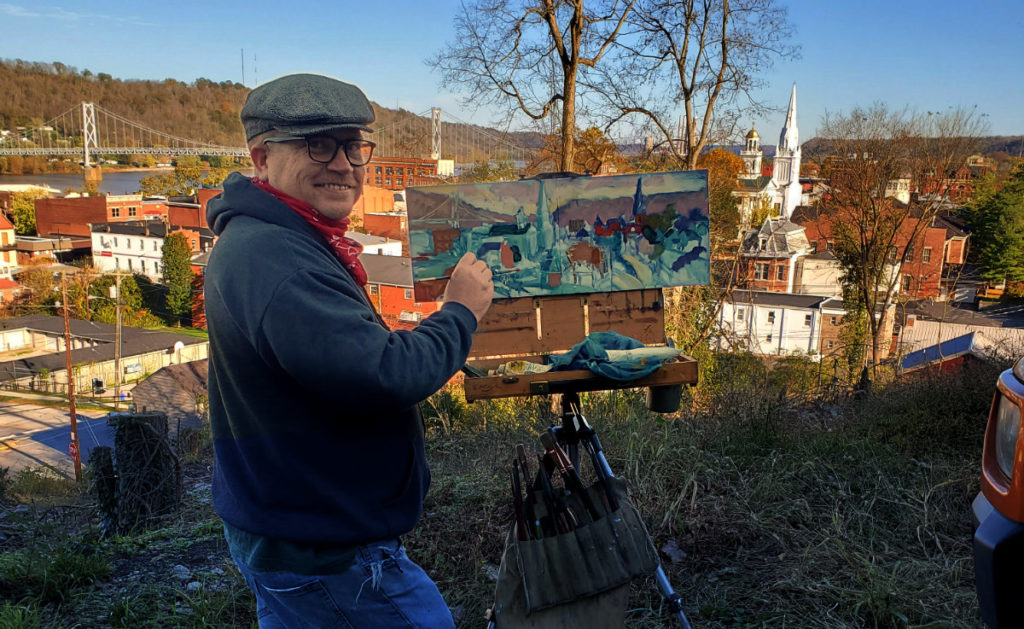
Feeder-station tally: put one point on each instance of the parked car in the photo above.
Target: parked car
(999, 508)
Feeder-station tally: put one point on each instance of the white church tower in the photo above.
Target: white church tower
(786, 173)
(751, 156)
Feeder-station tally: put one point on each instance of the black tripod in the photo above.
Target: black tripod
(574, 431)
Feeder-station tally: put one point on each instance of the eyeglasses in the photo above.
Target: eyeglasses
(324, 148)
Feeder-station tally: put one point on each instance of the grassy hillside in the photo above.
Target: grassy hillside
(774, 505)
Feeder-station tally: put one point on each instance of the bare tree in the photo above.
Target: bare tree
(700, 60)
(873, 234)
(527, 55)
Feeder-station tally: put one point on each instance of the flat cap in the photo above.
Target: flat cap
(305, 104)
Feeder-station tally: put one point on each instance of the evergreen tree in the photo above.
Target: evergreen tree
(177, 257)
(997, 224)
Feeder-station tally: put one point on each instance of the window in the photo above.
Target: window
(807, 320)
(143, 266)
(834, 320)
(771, 316)
(127, 243)
(909, 254)
(398, 182)
(907, 281)
(831, 344)
(387, 181)
(115, 241)
(926, 255)
(377, 170)
(195, 245)
(376, 180)
(890, 255)
(768, 338)
(132, 211)
(374, 289)
(408, 293)
(115, 212)
(389, 171)
(760, 271)
(155, 248)
(142, 245)
(399, 171)
(780, 272)
(129, 264)
(740, 313)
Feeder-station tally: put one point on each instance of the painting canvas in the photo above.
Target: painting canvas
(564, 235)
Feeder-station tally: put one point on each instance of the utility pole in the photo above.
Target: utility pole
(76, 451)
(117, 341)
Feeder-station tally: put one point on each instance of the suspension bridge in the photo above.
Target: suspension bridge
(90, 131)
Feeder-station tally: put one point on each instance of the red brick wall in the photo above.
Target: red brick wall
(924, 276)
(69, 216)
(955, 252)
(397, 173)
(748, 277)
(186, 216)
(386, 225)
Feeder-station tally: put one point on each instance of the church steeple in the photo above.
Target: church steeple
(789, 139)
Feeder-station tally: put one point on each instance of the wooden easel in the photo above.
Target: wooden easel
(529, 328)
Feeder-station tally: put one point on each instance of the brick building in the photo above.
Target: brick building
(769, 256)
(71, 216)
(389, 285)
(398, 173)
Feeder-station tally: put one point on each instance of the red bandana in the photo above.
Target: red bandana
(346, 249)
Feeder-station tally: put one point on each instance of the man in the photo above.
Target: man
(320, 461)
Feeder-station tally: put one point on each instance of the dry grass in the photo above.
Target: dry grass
(788, 509)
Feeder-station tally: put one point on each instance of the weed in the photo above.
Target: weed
(19, 617)
(50, 575)
(41, 482)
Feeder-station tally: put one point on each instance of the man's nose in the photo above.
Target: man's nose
(340, 162)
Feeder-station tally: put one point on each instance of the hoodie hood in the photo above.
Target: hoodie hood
(242, 198)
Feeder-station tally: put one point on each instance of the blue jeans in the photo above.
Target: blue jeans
(382, 589)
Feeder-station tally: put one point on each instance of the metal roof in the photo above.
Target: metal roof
(952, 348)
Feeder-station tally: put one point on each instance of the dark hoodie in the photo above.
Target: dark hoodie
(313, 401)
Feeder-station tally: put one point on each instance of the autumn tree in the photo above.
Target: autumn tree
(484, 170)
(23, 210)
(593, 151)
(701, 60)
(871, 233)
(723, 168)
(527, 56)
(134, 312)
(177, 276)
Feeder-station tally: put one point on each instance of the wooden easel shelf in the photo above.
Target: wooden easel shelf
(683, 371)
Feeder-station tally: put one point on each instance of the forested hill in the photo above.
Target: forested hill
(35, 92)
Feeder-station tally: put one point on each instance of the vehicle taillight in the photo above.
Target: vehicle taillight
(1007, 428)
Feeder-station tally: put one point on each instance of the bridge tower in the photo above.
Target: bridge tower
(435, 128)
(92, 174)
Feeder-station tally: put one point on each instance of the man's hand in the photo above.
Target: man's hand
(471, 285)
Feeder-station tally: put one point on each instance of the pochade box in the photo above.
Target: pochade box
(570, 255)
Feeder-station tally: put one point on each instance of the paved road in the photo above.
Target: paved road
(32, 435)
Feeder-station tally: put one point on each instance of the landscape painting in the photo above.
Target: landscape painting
(564, 235)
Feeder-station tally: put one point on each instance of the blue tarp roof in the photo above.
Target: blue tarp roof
(947, 349)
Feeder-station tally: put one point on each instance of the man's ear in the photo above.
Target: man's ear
(259, 161)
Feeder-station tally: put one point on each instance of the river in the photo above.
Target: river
(114, 181)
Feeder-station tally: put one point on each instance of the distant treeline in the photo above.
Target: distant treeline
(36, 92)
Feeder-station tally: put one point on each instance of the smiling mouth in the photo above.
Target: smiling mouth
(334, 186)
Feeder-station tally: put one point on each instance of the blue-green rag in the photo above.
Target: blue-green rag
(592, 353)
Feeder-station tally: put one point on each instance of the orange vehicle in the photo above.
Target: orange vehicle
(999, 508)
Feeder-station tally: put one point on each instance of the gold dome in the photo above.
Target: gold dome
(752, 134)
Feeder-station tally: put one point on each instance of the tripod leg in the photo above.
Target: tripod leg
(674, 601)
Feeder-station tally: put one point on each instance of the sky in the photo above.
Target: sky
(928, 55)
